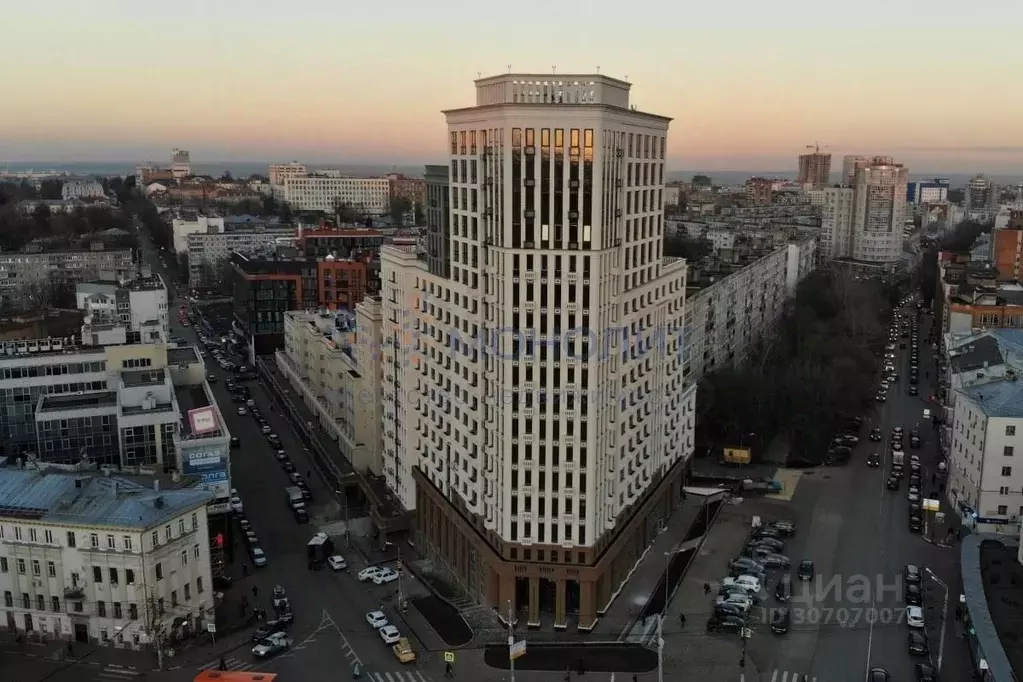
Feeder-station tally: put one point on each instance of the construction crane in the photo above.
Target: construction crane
(816, 147)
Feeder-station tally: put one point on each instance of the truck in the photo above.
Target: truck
(318, 549)
(294, 497)
(898, 458)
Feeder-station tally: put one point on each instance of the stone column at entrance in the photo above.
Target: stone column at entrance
(534, 603)
(560, 607)
(587, 610)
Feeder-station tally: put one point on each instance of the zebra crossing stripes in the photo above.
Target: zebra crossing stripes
(402, 676)
(230, 663)
(118, 673)
(789, 676)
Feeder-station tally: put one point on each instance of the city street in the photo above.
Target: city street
(856, 531)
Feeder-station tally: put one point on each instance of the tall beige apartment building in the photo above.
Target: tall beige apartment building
(879, 205)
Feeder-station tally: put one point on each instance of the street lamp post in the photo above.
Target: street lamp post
(944, 616)
(664, 610)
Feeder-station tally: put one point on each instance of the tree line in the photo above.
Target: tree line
(815, 371)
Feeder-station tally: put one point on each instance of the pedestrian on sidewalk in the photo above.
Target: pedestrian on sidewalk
(70, 649)
(568, 675)
(245, 570)
(682, 619)
(582, 670)
(255, 591)
(706, 588)
(223, 663)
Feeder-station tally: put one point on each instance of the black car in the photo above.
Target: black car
(913, 379)
(267, 629)
(236, 442)
(780, 621)
(288, 465)
(917, 644)
(893, 483)
(222, 582)
(725, 624)
(913, 390)
(725, 610)
(878, 675)
(913, 596)
(783, 591)
(875, 435)
(300, 514)
(307, 494)
(786, 528)
(914, 439)
(805, 570)
(767, 532)
(915, 524)
(873, 460)
(925, 672)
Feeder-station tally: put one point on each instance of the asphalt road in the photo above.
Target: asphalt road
(852, 618)
(330, 630)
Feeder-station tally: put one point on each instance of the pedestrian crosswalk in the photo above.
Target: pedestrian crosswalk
(118, 673)
(403, 676)
(230, 663)
(788, 676)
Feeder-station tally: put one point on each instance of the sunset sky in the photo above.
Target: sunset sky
(749, 83)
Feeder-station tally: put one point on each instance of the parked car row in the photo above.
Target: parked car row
(742, 589)
(252, 542)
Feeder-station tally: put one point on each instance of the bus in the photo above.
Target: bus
(233, 676)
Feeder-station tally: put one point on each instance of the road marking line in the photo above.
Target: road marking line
(376, 677)
(420, 675)
(118, 674)
(389, 678)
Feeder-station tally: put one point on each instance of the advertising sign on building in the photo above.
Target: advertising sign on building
(201, 460)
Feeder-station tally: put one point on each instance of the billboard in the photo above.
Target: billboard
(203, 420)
(203, 460)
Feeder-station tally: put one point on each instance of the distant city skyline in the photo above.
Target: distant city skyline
(748, 84)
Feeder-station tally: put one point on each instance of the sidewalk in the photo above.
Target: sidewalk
(704, 656)
(646, 579)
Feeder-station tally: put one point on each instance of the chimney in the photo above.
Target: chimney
(78, 483)
(156, 484)
(158, 502)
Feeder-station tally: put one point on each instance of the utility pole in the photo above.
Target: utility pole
(944, 616)
(401, 591)
(511, 640)
(660, 646)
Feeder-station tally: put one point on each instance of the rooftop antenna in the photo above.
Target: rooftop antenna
(479, 74)
(554, 70)
(509, 68)
(626, 78)
(598, 69)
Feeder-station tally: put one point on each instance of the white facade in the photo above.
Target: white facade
(984, 471)
(103, 557)
(672, 195)
(181, 228)
(212, 248)
(324, 192)
(82, 189)
(280, 171)
(879, 211)
(850, 164)
(836, 206)
(138, 307)
(534, 348)
(181, 164)
(338, 374)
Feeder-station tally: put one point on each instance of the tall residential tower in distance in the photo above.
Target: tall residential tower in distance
(879, 210)
(537, 415)
(815, 169)
(850, 164)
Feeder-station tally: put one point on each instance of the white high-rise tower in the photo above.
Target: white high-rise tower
(537, 414)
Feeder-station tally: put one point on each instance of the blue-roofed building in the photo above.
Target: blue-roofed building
(90, 557)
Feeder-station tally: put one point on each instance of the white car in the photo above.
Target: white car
(389, 634)
(242, 411)
(273, 644)
(377, 619)
(337, 563)
(385, 576)
(250, 402)
(927, 413)
(369, 573)
(236, 503)
(885, 386)
(265, 428)
(743, 601)
(750, 583)
(914, 616)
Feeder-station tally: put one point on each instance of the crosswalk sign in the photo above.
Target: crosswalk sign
(449, 656)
